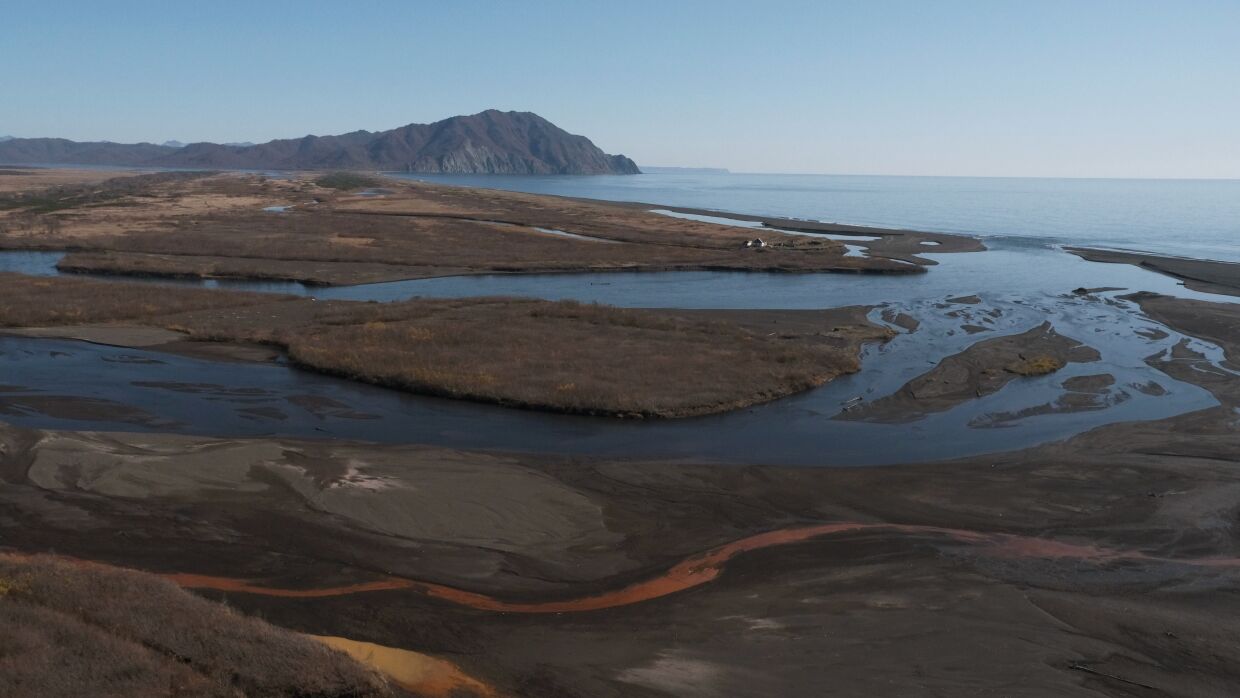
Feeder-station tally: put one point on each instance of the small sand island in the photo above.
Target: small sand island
(234, 387)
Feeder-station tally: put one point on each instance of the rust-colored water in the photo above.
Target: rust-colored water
(422, 674)
(430, 676)
(705, 567)
(699, 569)
(203, 581)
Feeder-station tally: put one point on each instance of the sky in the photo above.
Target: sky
(1049, 88)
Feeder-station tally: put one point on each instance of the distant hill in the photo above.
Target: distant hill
(5, 138)
(491, 142)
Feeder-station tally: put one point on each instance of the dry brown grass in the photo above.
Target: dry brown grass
(27, 301)
(216, 225)
(36, 178)
(93, 631)
(206, 267)
(558, 356)
(564, 357)
(1040, 365)
(78, 212)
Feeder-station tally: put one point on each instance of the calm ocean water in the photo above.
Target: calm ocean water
(1191, 218)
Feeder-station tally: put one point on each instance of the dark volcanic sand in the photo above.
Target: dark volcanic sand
(1101, 565)
(1198, 274)
(1097, 566)
(1096, 552)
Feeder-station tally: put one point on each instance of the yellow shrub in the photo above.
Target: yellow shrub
(1040, 365)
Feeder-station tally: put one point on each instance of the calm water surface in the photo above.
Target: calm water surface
(1020, 285)
(1023, 281)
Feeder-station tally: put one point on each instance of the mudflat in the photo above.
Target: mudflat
(1197, 274)
(1099, 563)
(1103, 555)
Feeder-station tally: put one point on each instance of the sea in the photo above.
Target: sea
(1178, 217)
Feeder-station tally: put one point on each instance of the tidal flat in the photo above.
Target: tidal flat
(676, 466)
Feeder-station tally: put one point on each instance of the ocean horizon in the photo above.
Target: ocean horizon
(1197, 218)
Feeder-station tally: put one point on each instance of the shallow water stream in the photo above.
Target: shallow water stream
(72, 385)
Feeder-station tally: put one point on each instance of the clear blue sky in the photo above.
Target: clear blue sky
(1125, 88)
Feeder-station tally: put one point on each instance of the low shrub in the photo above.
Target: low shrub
(73, 630)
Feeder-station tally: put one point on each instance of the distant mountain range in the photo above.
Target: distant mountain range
(491, 142)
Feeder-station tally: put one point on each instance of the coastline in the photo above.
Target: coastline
(1205, 275)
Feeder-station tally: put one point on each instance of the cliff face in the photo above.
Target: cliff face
(491, 142)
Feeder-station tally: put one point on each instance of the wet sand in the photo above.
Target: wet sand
(1110, 552)
(1198, 274)
(982, 369)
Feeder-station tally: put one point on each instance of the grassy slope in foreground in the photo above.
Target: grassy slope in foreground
(556, 356)
(72, 630)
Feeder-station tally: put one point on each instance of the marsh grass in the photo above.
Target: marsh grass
(416, 231)
(1040, 365)
(72, 630)
(27, 301)
(558, 356)
(570, 357)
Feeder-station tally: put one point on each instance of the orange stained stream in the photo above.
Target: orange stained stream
(426, 675)
(702, 568)
(422, 674)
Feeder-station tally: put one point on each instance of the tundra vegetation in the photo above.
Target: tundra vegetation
(72, 629)
(202, 224)
(558, 356)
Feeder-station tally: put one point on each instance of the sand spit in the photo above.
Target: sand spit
(1198, 274)
(983, 368)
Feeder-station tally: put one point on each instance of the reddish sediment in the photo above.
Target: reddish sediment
(706, 567)
(203, 581)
